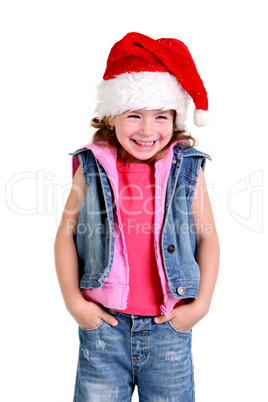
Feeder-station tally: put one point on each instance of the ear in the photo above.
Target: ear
(111, 121)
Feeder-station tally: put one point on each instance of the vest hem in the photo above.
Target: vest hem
(110, 296)
(184, 289)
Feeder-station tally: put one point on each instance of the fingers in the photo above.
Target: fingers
(160, 319)
(90, 315)
(107, 317)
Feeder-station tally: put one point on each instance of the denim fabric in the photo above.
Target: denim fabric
(178, 235)
(95, 232)
(155, 357)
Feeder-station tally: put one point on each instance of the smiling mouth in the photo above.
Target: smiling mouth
(144, 144)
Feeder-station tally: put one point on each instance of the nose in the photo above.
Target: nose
(146, 127)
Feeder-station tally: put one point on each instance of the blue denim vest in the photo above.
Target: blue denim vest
(95, 231)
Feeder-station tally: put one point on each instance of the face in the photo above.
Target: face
(143, 133)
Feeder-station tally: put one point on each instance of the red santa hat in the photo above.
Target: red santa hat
(143, 73)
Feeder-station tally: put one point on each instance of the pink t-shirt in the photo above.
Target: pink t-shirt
(136, 203)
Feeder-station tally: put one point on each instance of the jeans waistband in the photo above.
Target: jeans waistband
(114, 312)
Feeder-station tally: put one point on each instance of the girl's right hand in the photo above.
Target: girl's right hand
(88, 315)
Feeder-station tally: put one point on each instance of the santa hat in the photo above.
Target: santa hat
(143, 73)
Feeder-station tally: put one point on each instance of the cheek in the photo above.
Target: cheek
(122, 133)
(168, 135)
(121, 137)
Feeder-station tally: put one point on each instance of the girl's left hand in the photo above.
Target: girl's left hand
(184, 317)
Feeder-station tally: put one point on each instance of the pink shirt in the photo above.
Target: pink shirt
(137, 206)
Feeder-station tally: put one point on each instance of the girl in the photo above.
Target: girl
(137, 251)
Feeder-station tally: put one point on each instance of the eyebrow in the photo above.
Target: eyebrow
(158, 111)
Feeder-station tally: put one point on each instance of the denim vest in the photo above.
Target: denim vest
(95, 237)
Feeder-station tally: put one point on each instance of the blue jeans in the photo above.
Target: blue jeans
(155, 357)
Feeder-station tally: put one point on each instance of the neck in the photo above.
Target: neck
(127, 158)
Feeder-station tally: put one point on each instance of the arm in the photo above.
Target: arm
(184, 317)
(87, 314)
(207, 244)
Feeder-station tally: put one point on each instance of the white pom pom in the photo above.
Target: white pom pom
(201, 117)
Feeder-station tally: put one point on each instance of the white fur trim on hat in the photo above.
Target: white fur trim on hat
(201, 117)
(143, 90)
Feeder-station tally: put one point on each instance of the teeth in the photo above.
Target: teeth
(144, 144)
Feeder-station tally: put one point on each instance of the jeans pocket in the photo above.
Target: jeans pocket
(177, 330)
(92, 329)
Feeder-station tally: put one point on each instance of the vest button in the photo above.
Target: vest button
(171, 248)
(181, 291)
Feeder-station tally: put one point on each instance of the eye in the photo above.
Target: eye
(162, 117)
(133, 116)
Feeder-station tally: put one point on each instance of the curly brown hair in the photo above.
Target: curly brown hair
(106, 133)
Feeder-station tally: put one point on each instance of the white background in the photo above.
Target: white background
(53, 54)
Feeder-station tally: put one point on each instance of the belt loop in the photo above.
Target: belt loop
(113, 312)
